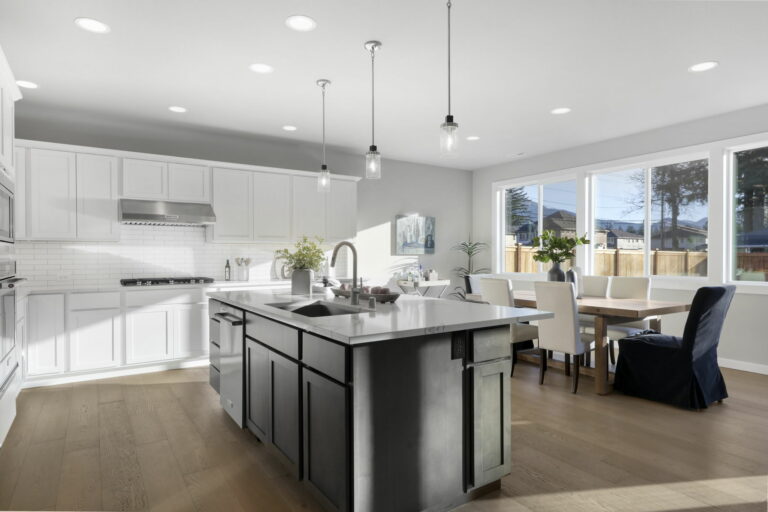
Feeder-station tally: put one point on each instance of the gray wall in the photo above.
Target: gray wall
(443, 193)
(744, 335)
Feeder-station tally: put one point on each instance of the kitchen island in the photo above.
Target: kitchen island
(401, 408)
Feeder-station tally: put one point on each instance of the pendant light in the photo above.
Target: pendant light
(449, 136)
(324, 178)
(373, 157)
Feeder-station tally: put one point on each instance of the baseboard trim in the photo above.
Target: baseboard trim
(735, 364)
(69, 378)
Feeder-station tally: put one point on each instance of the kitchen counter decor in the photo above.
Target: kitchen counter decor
(303, 262)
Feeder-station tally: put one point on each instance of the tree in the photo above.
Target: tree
(674, 189)
(751, 172)
(517, 208)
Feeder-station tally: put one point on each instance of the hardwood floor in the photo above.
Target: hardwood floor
(161, 442)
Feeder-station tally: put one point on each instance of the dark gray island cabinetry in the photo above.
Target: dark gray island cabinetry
(413, 421)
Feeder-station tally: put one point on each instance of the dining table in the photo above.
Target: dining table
(608, 311)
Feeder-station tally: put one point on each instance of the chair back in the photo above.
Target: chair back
(497, 291)
(560, 333)
(595, 286)
(630, 288)
(706, 318)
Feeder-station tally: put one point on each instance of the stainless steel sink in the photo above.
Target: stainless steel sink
(316, 308)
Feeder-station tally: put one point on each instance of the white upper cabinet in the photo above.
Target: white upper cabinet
(271, 206)
(145, 179)
(308, 208)
(97, 197)
(51, 195)
(233, 206)
(342, 211)
(7, 114)
(190, 183)
(20, 194)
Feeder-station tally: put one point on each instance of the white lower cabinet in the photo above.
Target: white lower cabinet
(190, 327)
(94, 340)
(148, 334)
(46, 334)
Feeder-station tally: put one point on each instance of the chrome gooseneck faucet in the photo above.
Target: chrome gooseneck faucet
(355, 299)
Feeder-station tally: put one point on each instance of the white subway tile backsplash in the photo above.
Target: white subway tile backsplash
(143, 251)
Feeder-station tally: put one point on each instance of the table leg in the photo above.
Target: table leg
(601, 355)
(655, 324)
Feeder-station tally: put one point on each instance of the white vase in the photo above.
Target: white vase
(301, 281)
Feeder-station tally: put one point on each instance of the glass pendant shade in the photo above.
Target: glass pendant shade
(449, 137)
(324, 179)
(373, 164)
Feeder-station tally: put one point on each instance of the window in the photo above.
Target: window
(526, 208)
(677, 224)
(618, 237)
(750, 169)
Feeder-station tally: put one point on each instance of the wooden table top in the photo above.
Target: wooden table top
(603, 306)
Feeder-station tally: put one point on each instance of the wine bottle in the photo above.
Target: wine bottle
(227, 272)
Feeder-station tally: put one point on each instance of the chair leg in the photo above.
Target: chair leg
(587, 358)
(612, 351)
(576, 364)
(567, 365)
(550, 354)
(542, 365)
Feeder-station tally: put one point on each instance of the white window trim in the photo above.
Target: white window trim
(720, 214)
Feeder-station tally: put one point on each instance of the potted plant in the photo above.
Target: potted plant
(556, 249)
(470, 249)
(303, 262)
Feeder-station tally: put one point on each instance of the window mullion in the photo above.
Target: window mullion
(647, 263)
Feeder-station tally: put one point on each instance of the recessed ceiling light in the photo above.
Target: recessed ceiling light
(91, 25)
(261, 68)
(289, 128)
(26, 85)
(177, 109)
(473, 138)
(301, 23)
(560, 110)
(703, 66)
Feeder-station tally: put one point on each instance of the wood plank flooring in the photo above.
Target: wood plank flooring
(161, 442)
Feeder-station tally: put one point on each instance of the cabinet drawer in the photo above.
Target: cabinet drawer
(324, 356)
(94, 300)
(277, 336)
(154, 297)
(215, 355)
(491, 343)
(214, 378)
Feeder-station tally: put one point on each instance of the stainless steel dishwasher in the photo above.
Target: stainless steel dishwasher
(231, 361)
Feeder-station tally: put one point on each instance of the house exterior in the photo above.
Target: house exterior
(693, 239)
(619, 239)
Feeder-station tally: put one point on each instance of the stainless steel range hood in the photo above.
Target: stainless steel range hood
(165, 213)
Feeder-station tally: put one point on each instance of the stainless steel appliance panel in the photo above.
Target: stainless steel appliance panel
(231, 362)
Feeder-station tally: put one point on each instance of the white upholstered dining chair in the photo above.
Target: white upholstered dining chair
(561, 333)
(499, 292)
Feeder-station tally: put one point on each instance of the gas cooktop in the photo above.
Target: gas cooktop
(160, 281)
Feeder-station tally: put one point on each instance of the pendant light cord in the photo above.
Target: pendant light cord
(373, 98)
(323, 88)
(449, 58)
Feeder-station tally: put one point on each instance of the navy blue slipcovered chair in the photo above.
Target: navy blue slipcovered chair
(679, 371)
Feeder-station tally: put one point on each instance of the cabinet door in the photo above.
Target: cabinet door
(342, 210)
(189, 183)
(308, 208)
(271, 206)
(97, 197)
(149, 334)
(257, 389)
(45, 334)
(94, 339)
(6, 128)
(20, 196)
(52, 195)
(492, 432)
(233, 205)
(191, 331)
(284, 406)
(326, 439)
(145, 179)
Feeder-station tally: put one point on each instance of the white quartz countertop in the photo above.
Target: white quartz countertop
(116, 287)
(409, 316)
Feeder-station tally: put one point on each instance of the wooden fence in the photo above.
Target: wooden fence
(626, 262)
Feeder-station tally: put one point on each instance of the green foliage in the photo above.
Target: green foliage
(517, 207)
(471, 249)
(307, 256)
(556, 249)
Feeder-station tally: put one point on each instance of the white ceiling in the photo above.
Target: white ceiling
(619, 64)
